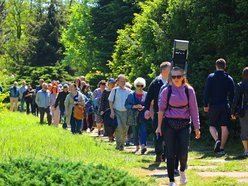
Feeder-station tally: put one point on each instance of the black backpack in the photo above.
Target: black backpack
(168, 106)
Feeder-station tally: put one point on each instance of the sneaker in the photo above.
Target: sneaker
(127, 143)
(136, 150)
(217, 146)
(183, 179)
(246, 154)
(163, 157)
(221, 152)
(172, 184)
(143, 151)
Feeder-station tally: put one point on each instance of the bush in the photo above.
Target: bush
(59, 172)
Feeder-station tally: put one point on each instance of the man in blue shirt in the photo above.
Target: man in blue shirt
(22, 89)
(13, 96)
(43, 101)
(218, 95)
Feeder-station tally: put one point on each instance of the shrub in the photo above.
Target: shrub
(60, 172)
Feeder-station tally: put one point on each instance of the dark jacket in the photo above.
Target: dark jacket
(133, 100)
(219, 89)
(28, 95)
(60, 100)
(241, 90)
(153, 93)
(104, 104)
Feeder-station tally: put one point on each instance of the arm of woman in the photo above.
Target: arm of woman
(194, 113)
(129, 102)
(162, 107)
(81, 100)
(66, 105)
(103, 101)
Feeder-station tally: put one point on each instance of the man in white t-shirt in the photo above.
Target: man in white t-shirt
(117, 99)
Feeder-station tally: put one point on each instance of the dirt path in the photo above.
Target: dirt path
(159, 171)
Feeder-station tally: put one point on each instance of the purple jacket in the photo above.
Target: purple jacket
(179, 98)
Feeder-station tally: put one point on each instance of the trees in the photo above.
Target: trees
(92, 31)
(13, 32)
(44, 35)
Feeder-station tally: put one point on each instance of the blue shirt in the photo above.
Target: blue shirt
(219, 89)
(14, 92)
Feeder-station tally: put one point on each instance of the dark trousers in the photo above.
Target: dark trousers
(75, 125)
(158, 142)
(177, 144)
(63, 118)
(88, 121)
(139, 134)
(29, 104)
(42, 113)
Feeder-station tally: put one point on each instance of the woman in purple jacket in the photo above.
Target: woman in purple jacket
(177, 107)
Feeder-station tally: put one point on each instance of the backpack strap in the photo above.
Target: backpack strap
(168, 96)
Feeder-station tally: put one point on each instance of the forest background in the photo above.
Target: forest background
(62, 39)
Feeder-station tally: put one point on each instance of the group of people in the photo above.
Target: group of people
(170, 102)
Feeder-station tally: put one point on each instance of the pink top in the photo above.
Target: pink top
(178, 99)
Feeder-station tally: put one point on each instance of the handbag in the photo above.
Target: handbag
(78, 112)
(177, 124)
(132, 117)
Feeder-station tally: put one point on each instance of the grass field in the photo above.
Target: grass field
(29, 151)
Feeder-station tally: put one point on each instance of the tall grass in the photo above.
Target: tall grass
(22, 136)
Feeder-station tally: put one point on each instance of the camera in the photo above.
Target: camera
(180, 54)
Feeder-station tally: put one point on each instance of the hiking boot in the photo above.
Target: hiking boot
(217, 146)
(172, 184)
(158, 159)
(221, 152)
(183, 179)
(143, 150)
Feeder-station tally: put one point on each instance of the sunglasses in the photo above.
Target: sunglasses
(139, 85)
(103, 84)
(178, 77)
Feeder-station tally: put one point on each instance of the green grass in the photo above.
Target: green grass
(23, 140)
(21, 136)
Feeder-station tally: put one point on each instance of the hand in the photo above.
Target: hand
(159, 131)
(233, 116)
(112, 115)
(101, 113)
(197, 134)
(141, 108)
(147, 114)
(135, 107)
(206, 109)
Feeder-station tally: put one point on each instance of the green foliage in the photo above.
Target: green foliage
(44, 35)
(143, 44)
(94, 77)
(59, 172)
(48, 73)
(92, 30)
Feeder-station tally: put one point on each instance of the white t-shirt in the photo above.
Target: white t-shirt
(120, 98)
